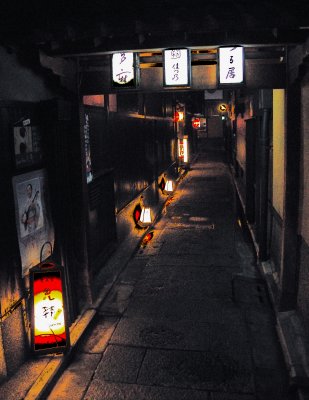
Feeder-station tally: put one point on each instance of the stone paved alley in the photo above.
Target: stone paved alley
(189, 317)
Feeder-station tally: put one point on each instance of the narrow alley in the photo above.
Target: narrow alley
(189, 316)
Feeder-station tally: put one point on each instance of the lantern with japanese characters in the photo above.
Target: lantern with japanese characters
(196, 123)
(183, 150)
(49, 328)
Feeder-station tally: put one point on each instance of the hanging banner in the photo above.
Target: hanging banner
(231, 65)
(177, 67)
(123, 69)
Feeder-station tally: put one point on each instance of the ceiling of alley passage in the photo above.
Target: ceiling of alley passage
(60, 27)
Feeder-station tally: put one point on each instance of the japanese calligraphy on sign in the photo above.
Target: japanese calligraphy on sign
(123, 69)
(231, 65)
(49, 328)
(176, 67)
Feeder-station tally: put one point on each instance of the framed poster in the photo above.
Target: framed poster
(33, 218)
(27, 143)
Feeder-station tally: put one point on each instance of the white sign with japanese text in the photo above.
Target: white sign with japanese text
(123, 69)
(231, 65)
(176, 68)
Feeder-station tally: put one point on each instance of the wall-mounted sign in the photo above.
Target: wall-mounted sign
(177, 67)
(27, 143)
(222, 107)
(49, 327)
(231, 65)
(89, 174)
(123, 70)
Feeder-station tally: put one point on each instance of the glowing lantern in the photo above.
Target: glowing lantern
(169, 187)
(145, 217)
(183, 149)
(179, 116)
(196, 123)
(147, 239)
(49, 329)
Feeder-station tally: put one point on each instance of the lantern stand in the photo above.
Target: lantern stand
(142, 215)
(49, 322)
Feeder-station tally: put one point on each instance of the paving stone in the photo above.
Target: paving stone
(211, 282)
(116, 391)
(272, 384)
(227, 339)
(120, 364)
(176, 308)
(199, 260)
(117, 300)
(97, 337)
(162, 333)
(75, 380)
(195, 370)
(250, 291)
(132, 272)
(21, 381)
(231, 396)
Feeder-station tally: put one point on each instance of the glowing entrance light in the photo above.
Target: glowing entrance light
(49, 329)
(231, 65)
(177, 67)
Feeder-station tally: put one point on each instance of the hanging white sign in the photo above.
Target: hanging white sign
(123, 69)
(176, 67)
(231, 65)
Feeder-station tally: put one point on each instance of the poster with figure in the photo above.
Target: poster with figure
(33, 220)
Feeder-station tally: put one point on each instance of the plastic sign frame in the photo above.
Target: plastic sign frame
(177, 67)
(124, 67)
(49, 323)
(231, 66)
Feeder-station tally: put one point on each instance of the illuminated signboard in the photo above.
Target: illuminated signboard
(123, 70)
(177, 67)
(49, 329)
(231, 65)
(183, 149)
